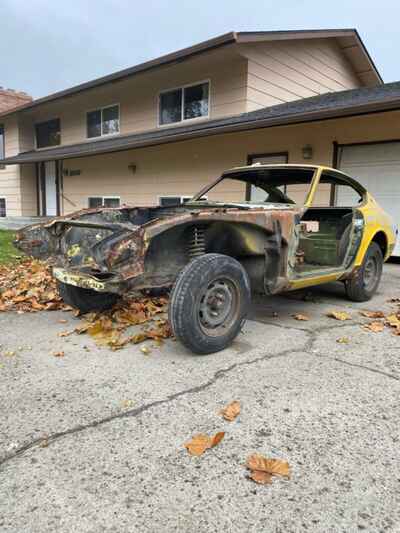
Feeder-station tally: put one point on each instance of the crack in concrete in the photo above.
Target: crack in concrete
(306, 348)
(49, 439)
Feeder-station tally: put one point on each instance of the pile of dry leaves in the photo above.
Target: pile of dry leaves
(28, 287)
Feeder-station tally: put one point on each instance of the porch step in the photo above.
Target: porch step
(14, 223)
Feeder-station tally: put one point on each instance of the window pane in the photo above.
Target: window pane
(196, 101)
(110, 120)
(48, 133)
(111, 202)
(2, 149)
(171, 107)
(95, 201)
(2, 207)
(94, 124)
(170, 200)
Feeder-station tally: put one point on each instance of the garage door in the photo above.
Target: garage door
(377, 167)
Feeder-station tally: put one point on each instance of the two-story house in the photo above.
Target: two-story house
(157, 132)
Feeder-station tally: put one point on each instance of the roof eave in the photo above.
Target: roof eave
(388, 104)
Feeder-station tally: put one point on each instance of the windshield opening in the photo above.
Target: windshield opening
(261, 186)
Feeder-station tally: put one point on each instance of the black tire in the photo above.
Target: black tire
(363, 286)
(86, 300)
(209, 303)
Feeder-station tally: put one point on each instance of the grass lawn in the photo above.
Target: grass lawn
(7, 251)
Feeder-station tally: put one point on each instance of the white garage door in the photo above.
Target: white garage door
(377, 167)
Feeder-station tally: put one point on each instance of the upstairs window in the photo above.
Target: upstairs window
(104, 201)
(2, 143)
(48, 133)
(185, 103)
(103, 121)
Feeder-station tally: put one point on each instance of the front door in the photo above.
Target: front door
(49, 203)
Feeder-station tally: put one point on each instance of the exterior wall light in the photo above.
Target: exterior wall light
(132, 168)
(307, 151)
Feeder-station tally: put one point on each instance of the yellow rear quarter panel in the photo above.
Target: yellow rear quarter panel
(376, 220)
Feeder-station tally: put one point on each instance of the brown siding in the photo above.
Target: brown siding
(287, 70)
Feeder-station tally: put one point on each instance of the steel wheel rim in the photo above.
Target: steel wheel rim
(370, 273)
(218, 307)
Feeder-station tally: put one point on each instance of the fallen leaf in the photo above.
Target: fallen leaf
(58, 354)
(65, 333)
(62, 321)
(343, 340)
(231, 411)
(275, 467)
(373, 314)
(339, 315)
(376, 327)
(9, 354)
(127, 403)
(263, 478)
(145, 349)
(299, 316)
(201, 442)
(393, 321)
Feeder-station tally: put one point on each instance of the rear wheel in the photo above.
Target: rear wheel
(209, 303)
(365, 283)
(86, 300)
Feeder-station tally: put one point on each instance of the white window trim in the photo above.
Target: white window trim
(182, 197)
(105, 198)
(44, 122)
(101, 122)
(5, 204)
(183, 120)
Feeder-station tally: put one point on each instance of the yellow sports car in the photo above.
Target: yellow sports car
(260, 228)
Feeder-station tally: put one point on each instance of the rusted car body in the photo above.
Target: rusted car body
(280, 244)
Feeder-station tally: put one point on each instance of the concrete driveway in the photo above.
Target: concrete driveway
(93, 441)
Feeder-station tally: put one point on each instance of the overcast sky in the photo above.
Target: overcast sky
(49, 45)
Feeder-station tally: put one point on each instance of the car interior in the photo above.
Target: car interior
(325, 230)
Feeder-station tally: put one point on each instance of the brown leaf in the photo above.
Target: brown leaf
(376, 327)
(217, 438)
(373, 314)
(231, 411)
(339, 315)
(58, 354)
(275, 467)
(299, 316)
(201, 442)
(261, 477)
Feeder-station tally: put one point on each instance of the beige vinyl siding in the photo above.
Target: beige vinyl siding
(184, 168)
(289, 70)
(10, 175)
(138, 96)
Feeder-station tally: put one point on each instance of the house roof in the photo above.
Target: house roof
(326, 106)
(351, 44)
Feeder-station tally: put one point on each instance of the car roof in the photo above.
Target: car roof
(292, 166)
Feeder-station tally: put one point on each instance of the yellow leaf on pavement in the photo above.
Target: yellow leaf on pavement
(339, 315)
(261, 477)
(299, 316)
(231, 411)
(343, 340)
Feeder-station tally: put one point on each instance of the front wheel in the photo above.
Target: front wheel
(209, 303)
(86, 300)
(363, 286)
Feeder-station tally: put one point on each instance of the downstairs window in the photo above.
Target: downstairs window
(104, 201)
